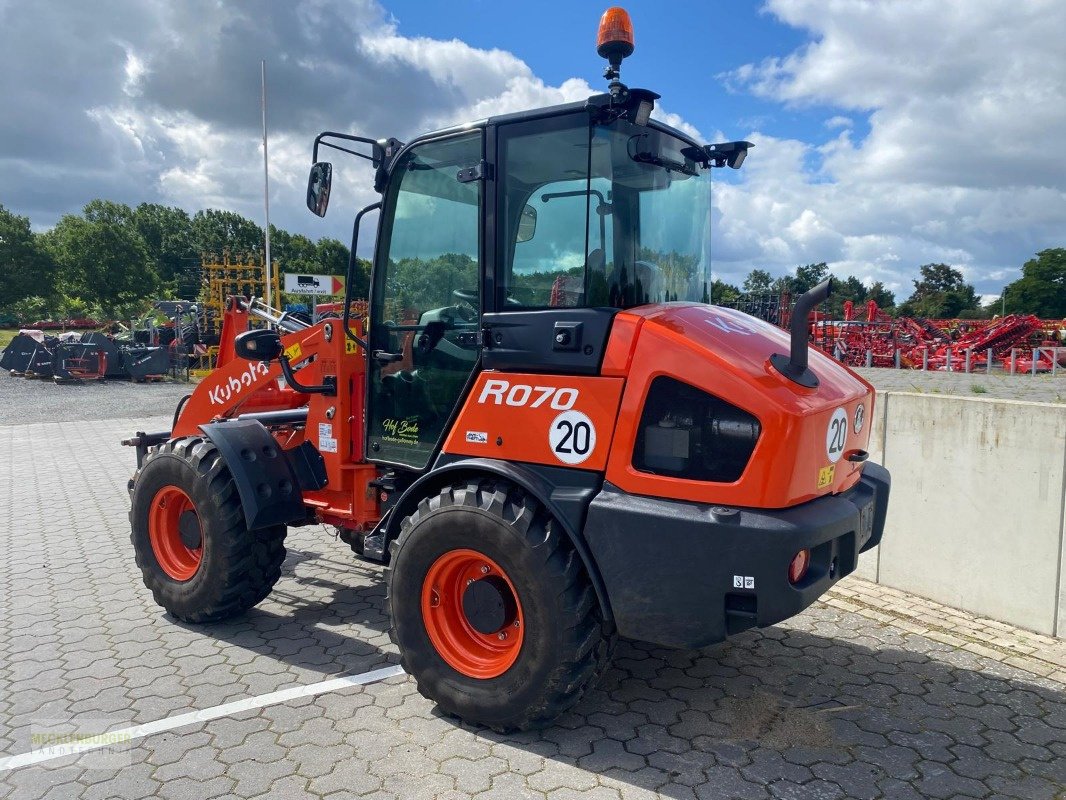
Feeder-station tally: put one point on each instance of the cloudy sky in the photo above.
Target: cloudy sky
(888, 133)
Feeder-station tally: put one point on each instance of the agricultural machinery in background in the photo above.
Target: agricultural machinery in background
(1014, 342)
(151, 349)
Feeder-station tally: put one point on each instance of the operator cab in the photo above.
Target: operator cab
(512, 242)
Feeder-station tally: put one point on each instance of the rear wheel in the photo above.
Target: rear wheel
(195, 553)
(492, 609)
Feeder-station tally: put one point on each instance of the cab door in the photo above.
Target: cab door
(425, 299)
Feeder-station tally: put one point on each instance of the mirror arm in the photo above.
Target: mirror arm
(327, 388)
(352, 261)
(378, 151)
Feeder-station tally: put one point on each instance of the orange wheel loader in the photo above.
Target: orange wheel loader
(541, 425)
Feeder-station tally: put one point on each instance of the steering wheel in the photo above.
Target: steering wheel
(467, 305)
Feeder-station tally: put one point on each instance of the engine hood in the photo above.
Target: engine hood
(813, 440)
(746, 343)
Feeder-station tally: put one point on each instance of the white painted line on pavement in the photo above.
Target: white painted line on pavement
(203, 715)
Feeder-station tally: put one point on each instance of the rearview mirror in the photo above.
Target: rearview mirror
(527, 223)
(258, 345)
(318, 184)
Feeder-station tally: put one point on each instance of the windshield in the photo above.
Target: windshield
(601, 215)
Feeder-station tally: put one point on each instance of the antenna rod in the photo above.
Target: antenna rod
(266, 186)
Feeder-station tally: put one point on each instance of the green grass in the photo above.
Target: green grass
(977, 388)
(6, 336)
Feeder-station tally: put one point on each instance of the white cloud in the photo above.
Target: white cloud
(943, 120)
(171, 94)
(966, 105)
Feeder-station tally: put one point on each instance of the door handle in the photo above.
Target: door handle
(387, 358)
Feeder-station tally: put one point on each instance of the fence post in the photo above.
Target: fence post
(925, 360)
(1034, 354)
(1013, 360)
(988, 362)
(947, 360)
(969, 353)
(869, 358)
(897, 358)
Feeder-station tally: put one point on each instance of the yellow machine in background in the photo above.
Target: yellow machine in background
(231, 276)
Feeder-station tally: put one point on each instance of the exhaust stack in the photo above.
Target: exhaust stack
(794, 365)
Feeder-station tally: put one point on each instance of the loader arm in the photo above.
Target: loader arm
(240, 386)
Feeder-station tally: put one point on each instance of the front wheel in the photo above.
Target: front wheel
(195, 552)
(492, 609)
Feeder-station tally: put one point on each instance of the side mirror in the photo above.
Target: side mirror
(258, 345)
(318, 184)
(527, 223)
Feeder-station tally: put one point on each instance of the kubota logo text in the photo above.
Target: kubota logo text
(222, 393)
(521, 394)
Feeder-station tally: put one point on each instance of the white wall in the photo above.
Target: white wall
(976, 515)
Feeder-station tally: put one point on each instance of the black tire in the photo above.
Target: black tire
(238, 567)
(566, 644)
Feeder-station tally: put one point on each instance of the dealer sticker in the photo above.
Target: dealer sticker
(477, 437)
(860, 417)
(836, 435)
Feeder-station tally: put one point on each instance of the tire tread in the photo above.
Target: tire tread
(588, 640)
(253, 558)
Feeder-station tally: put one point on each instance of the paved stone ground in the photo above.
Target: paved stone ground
(24, 402)
(1037, 388)
(869, 694)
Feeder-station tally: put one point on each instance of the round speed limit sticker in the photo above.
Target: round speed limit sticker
(836, 435)
(572, 437)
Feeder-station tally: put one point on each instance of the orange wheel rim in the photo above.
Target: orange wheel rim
(172, 511)
(475, 642)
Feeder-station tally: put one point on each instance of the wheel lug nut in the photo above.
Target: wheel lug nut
(469, 581)
(516, 624)
(484, 569)
(502, 636)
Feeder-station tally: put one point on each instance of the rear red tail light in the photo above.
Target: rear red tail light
(798, 568)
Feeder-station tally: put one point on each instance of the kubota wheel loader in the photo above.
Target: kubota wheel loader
(542, 426)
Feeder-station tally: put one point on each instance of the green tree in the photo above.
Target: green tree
(293, 253)
(301, 256)
(724, 294)
(808, 276)
(27, 269)
(844, 289)
(1042, 288)
(168, 235)
(216, 231)
(941, 293)
(879, 294)
(102, 258)
(758, 280)
(416, 285)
